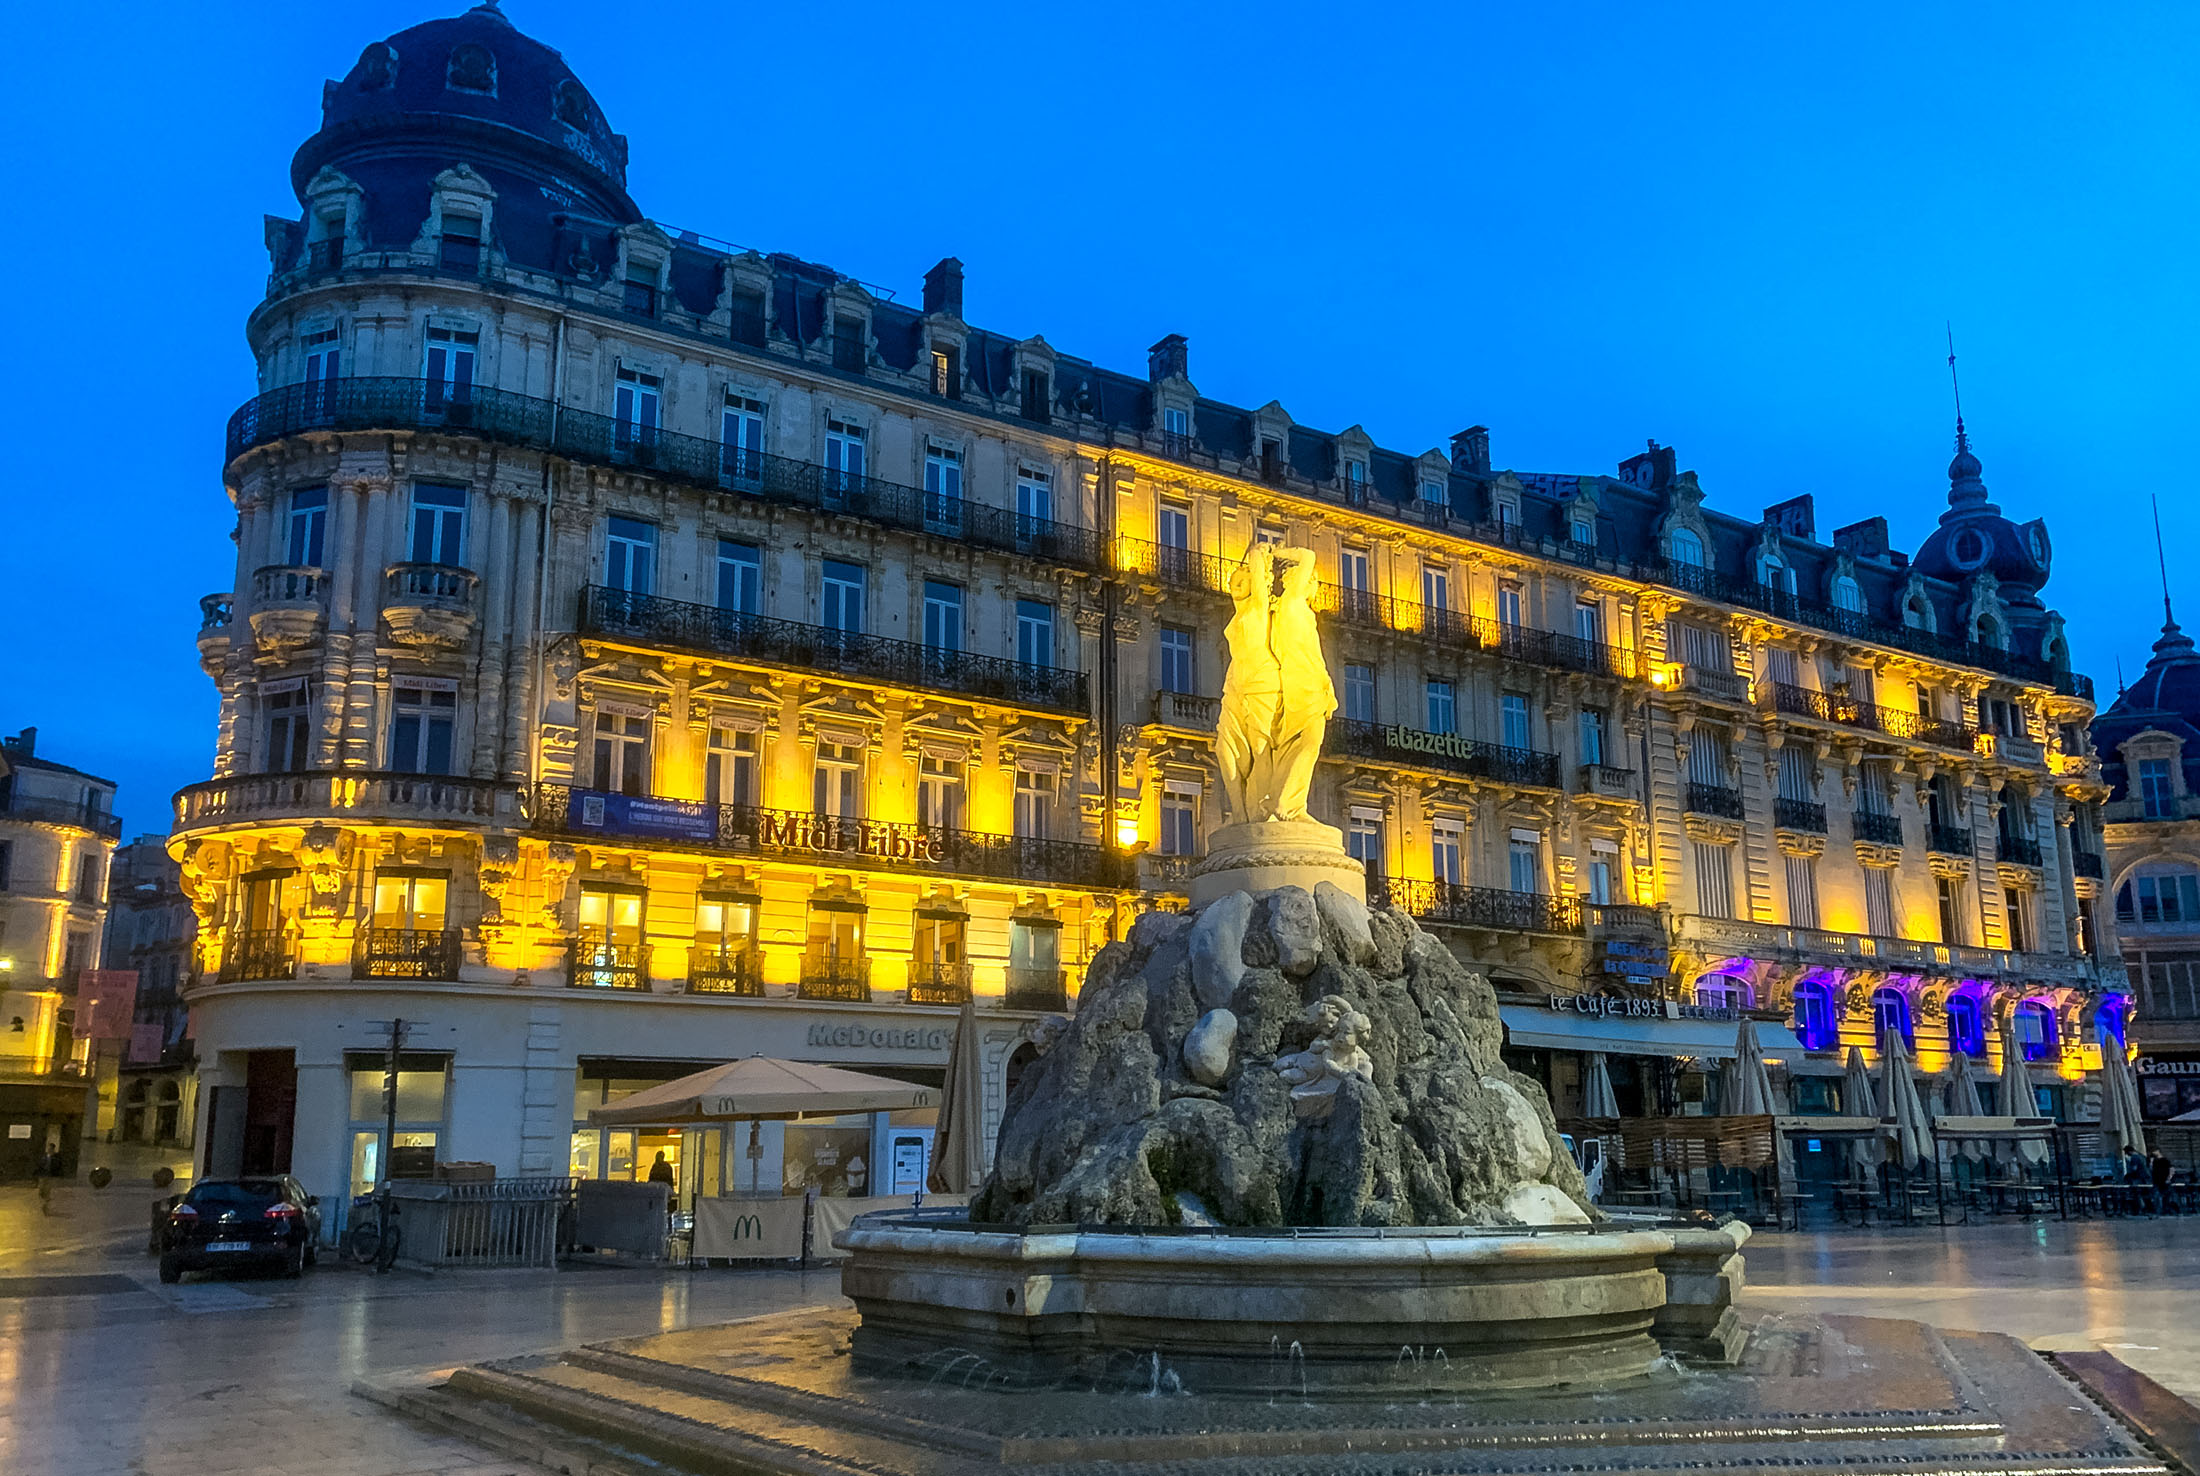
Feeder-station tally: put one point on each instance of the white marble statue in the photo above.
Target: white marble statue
(1276, 696)
(1315, 1074)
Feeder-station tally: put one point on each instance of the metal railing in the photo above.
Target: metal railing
(498, 1222)
(835, 978)
(2086, 863)
(653, 620)
(1035, 989)
(407, 953)
(2017, 850)
(444, 585)
(74, 814)
(592, 963)
(1165, 563)
(1714, 799)
(1821, 945)
(1948, 840)
(738, 971)
(1798, 814)
(257, 955)
(1395, 744)
(377, 403)
(1885, 830)
(1184, 710)
(364, 794)
(885, 844)
(939, 983)
(1836, 707)
(325, 255)
(1477, 907)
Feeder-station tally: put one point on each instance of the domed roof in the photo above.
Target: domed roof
(2166, 697)
(472, 76)
(1974, 536)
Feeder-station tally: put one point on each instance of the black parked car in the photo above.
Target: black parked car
(222, 1223)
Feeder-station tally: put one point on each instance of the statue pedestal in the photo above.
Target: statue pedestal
(1265, 854)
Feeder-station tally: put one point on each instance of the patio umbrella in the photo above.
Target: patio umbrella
(1909, 1129)
(958, 1144)
(1857, 1101)
(2119, 1115)
(2017, 1098)
(761, 1087)
(1751, 1084)
(1963, 1098)
(1597, 1097)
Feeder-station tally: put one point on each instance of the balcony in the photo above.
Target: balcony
(1883, 830)
(1373, 611)
(325, 255)
(2086, 863)
(407, 953)
(1807, 816)
(1838, 708)
(1718, 936)
(1413, 748)
(1477, 907)
(653, 621)
(830, 977)
(1172, 567)
(594, 964)
(257, 955)
(2017, 850)
(1043, 990)
(73, 814)
(429, 607)
(939, 983)
(346, 795)
(1606, 781)
(1725, 686)
(289, 608)
(802, 834)
(215, 613)
(1948, 840)
(1162, 873)
(735, 971)
(1714, 799)
(386, 404)
(1185, 711)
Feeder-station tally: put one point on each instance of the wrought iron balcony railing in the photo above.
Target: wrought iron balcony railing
(1714, 799)
(2017, 850)
(1835, 707)
(377, 403)
(257, 955)
(1477, 907)
(1035, 989)
(1885, 830)
(1948, 840)
(939, 983)
(1178, 568)
(653, 620)
(836, 978)
(738, 971)
(407, 953)
(1394, 744)
(881, 844)
(593, 963)
(1374, 611)
(2086, 863)
(75, 815)
(1797, 814)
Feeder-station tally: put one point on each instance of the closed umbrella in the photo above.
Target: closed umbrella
(1597, 1097)
(1751, 1084)
(1963, 1098)
(2120, 1124)
(958, 1144)
(1908, 1128)
(2017, 1098)
(1857, 1101)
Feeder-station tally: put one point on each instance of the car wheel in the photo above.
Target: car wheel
(171, 1270)
(295, 1267)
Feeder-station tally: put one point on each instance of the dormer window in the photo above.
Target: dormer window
(1687, 548)
(946, 371)
(1355, 481)
(1848, 595)
(641, 289)
(1271, 459)
(848, 353)
(473, 68)
(1432, 493)
(461, 242)
(1035, 405)
(1773, 573)
(325, 252)
(1506, 509)
(1176, 427)
(2157, 795)
(377, 67)
(1968, 548)
(1583, 532)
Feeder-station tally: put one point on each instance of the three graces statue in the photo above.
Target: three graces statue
(1276, 696)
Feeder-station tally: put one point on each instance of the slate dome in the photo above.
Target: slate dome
(1974, 536)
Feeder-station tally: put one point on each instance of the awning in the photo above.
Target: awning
(1549, 1029)
(759, 1087)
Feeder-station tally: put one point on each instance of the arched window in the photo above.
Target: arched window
(472, 69)
(1724, 992)
(2112, 1018)
(2036, 1031)
(1966, 1025)
(1848, 595)
(2160, 896)
(1989, 632)
(1774, 573)
(1687, 548)
(1817, 1026)
(1891, 1015)
(1917, 613)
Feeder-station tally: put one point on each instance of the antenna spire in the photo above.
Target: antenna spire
(2161, 561)
(1953, 382)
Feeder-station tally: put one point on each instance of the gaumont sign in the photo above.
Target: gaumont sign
(880, 1038)
(2168, 1066)
(1639, 1009)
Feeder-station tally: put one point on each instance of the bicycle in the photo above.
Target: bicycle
(374, 1240)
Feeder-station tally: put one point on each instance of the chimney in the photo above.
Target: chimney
(1796, 518)
(943, 288)
(1170, 358)
(1470, 450)
(1865, 540)
(25, 743)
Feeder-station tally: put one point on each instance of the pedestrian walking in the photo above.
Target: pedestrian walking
(2163, 1172)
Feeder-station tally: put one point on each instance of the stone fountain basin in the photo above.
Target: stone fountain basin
(1444, 1309)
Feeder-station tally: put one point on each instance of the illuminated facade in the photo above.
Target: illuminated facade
(646, 651)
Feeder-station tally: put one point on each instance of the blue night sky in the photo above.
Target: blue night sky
(1738, 231)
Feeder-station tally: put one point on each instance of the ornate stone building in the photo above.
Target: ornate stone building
(646, 651)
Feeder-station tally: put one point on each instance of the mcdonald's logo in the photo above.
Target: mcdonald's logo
(747, 1227)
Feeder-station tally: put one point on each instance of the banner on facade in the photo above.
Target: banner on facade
(145, 1045)
(106, 1003)
(634, 814)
